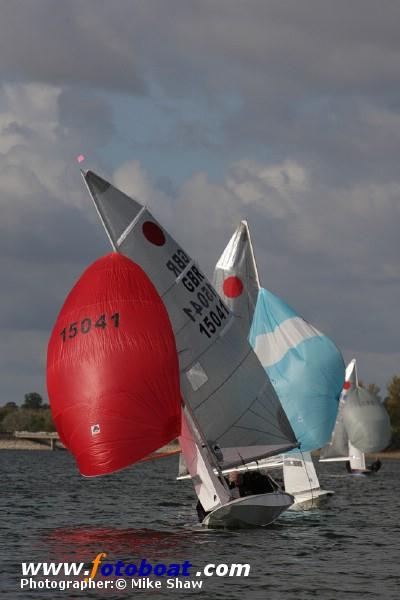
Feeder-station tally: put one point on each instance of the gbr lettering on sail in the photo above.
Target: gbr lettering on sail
(205, 307)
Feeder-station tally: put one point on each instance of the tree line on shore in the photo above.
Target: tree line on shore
(35, 415)
(32, 415)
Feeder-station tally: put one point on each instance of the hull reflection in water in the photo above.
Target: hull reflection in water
(82, 544)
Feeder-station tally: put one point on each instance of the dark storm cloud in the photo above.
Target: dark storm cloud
(68, 42)
(277, 46)
(316, 80)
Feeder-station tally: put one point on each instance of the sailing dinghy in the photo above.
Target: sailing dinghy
(362, 425)
(304, 365)
(232, 412)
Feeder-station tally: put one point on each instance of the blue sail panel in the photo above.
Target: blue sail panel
(305, 368)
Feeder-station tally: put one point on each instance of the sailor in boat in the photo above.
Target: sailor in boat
(375, 466)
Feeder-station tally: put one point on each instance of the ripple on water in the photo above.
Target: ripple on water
(52, 513)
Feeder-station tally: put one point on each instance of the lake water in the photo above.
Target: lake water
(50, 513)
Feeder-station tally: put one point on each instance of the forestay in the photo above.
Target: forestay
(231, 398)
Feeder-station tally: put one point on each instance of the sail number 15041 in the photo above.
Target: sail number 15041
(87, 324)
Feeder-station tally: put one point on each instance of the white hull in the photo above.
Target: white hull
(249, 511)
(360, 472)
(308, 500)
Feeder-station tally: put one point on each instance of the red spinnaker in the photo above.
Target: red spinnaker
(112, 368)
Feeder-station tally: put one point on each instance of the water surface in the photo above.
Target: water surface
(50, 513)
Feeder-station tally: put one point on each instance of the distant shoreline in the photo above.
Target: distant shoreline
(18, 444)
(24, 444)
(173, 448)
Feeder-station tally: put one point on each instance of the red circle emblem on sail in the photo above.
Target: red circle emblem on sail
(347, 385)
(233, 287)
(112, 368)
(153, 233)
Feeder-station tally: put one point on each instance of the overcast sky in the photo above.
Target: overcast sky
(286, 113)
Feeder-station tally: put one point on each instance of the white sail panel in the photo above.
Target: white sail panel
(356, 458)
(228, 391)
(351, 378)
(299, 473)
(272, 346)
(236, 276)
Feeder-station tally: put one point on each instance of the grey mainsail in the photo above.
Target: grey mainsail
(231, 398)
(362, 424)
(366, 421)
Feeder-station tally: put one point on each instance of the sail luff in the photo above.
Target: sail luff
(252, 254)
(102, 220)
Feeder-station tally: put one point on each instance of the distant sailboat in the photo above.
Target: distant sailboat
(304, 366)
(231, 411)
(362, 422)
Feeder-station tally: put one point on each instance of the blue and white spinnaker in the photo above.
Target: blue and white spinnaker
(304, 365)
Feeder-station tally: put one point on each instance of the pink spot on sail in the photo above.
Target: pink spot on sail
(153, 233)
(233, 287)
(80, 158)
(347, 385)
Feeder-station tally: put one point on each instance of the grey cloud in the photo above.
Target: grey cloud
(69, 42)
(87, 115)
(334, 258)
(248, 45)
(312, 82)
